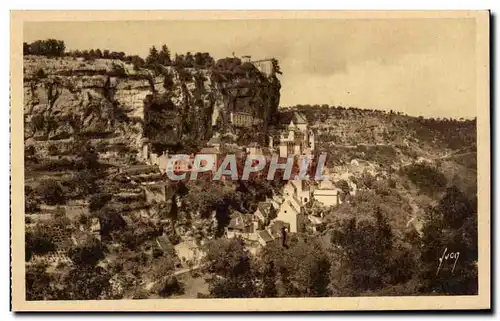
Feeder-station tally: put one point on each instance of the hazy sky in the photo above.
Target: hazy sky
(417, 66)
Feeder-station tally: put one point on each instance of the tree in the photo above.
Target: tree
(164, 56)
(308, 269)
(189, 60)
(152, 58)
(229, 265)
(38, 242)
(31, 203)
(171, 286)
(269, 278)
(344, 186)
(276, 66)
(85, 283)
(92, 54)
(39, 284)
(110, 221)
(97, 201)
(199, 59)
(52, 193)
(179, 61)
(365, 249)
(428, 178)
(49, 47)
(87, 254)
(137, 61)
(450, 227)
(301, 269)
(26, 48)
(53, 150)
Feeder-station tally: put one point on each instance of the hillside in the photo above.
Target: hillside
(386, 145)
(87, 120)
(102, 222)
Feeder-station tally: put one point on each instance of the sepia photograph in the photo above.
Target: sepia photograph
(282, 161)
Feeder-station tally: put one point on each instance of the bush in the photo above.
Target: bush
(39, 242)
(97, 201)
(53, 150)
(40, 74)
(172, 286)
(49, 47)
(157, 253)
(426, 177)
(89, 254)
(30, 202)
(29, 151)
(52, 193)
(118, 70)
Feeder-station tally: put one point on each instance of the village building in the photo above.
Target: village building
(327, 194)
(265, 213)
(188, 251)
(254, 149)
(242, 225)
(289, 211)
(242, 119)
(264, 237)
(215, 142)
(276, 231)
(276, 201)
(296, 138)
(138, 169)
(163, 243)
(299, 189)
(314, 224)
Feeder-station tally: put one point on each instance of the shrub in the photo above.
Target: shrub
(426, 177)
(29, 151)
(52, 193)
(53, 150)
(97, 201)
(157, 253)
(31, 203)
(40, 74)
(39, 242)
(87, 254)
(49, 47)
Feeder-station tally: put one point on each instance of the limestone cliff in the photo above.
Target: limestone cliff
(110, 101)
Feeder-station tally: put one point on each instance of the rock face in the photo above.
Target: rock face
(108, 100)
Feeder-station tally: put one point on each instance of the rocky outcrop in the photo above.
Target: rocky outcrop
(107, 100)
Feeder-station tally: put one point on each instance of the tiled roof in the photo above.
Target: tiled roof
(214, 141)
(299, 118)
(315, 220)
(164, 243)
(265, 236)
(264, 207)
(285, 118)
(277, 228)
(208, 150)
(239, 221)
(140, 169)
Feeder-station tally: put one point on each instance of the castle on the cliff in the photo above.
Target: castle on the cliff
(265, 66)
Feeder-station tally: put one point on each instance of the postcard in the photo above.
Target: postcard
(250, 160)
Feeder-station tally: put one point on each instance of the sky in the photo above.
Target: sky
(415, 66)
